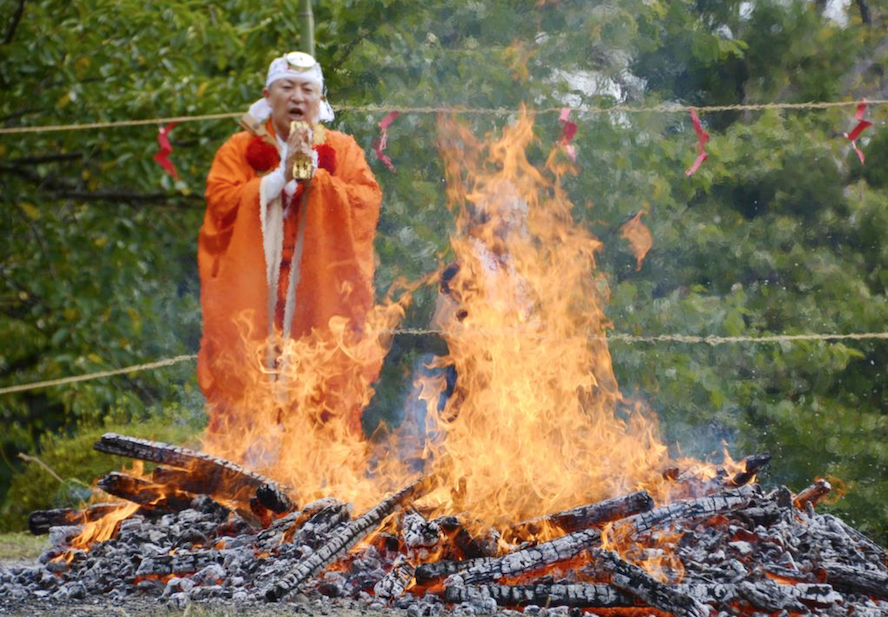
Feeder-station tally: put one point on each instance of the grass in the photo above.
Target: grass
(21, 545)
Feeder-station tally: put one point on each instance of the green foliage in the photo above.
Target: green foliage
(73, 459)
(780, 231)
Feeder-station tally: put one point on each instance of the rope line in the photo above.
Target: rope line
(89, 376)
(615, 337)
(500, 111)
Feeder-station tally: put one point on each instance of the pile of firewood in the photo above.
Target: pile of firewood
(725, 548)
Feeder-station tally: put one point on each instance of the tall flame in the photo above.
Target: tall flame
(536, 422)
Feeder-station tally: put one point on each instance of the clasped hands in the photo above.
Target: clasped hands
(298, 148)
(299, 152)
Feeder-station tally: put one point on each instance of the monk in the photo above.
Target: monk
(279, 257)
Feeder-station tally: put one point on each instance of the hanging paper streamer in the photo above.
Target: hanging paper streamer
(379, 144)
(702, 139)
(862, 125)
(162, 156)
(567, 133)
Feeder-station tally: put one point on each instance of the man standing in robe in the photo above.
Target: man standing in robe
(280, 258)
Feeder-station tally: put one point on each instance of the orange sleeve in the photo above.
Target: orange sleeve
(353, 189)
(230, 184)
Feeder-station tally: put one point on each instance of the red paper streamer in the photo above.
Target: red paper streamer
(379, 144)
(567, 133)
(702, 139)
(862, 125)
(162, 156)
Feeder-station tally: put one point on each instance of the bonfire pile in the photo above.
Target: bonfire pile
(203, 528)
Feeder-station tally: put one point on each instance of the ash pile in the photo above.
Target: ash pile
(204, 529)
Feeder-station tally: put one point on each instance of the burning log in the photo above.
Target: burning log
(812, 494)
(145, 493)
(866, 582)
(529, 559)
(591, 515)
(704, 507)
(39, 521)
(393, 585)
(465, 544)
(342, 542)
(577, 595)
(631, 579)
(217, 476)
(753, 464)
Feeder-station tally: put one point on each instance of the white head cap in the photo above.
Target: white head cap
(293, 64)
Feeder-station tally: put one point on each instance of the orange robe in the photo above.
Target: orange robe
(336, 267)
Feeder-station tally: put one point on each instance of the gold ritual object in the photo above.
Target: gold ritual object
(302, 165)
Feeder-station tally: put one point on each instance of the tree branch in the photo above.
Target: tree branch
(16, 18)
(864, 12)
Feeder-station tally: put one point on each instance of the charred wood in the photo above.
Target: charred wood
(812, 494)
(342, 542)
(39, 521)
(584, 517)
(866, 582)
(220, 477)
(578, 595)
(752, 465)
(418, 532)
(686, 511)
(531, 558)
(633, 580)
(393, 585)
(145, 493)
(467, 545)
(273, 498)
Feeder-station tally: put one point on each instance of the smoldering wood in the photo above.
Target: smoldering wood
(576, 595)
(587, 516)
(752, 465)
(857, 580)
(864, 544)
(393, 585)
(812, 494)
(633, 580)
(39, 521)
(418, 532)
(272, 497)
(343, 541)
(467, 545)
(145, 493)
(686, 511)
(219, 475)
(531, 558)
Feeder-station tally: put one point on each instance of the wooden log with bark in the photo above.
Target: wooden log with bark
(219, 477)
(39, 521)
(531, 558)
(686, 511)
(812, 494)
(587, 516)
(343, 541)
(633, 580)
(752, 465)
(601, 595)
(393, 585)
(857, 580)
(145, 493)
(575, 595)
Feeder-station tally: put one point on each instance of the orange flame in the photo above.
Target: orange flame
(639, 237)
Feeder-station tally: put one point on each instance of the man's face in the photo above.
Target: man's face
(293, 98)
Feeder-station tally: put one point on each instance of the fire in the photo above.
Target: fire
(536, 422)
(639, 237)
